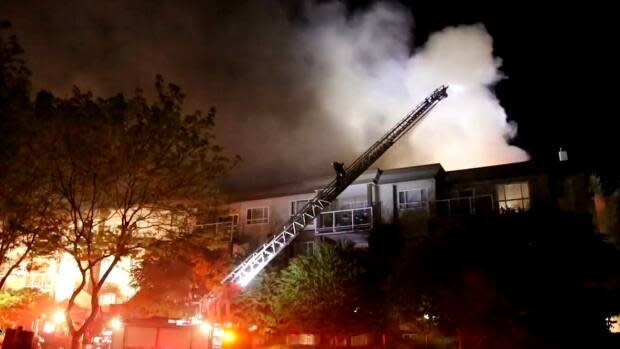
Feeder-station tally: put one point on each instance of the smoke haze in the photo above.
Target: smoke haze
(296, 86)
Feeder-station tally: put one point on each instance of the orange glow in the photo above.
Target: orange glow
(116, 323)
(229, 336)
(48, 327)
(59, 317)
(206, 327)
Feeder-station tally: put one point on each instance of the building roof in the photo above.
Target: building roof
(512, 170)
(310, 185)
(519, 169)
(411, 173)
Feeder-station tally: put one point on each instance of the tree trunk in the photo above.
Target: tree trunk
(76, 340)
(461, 339)
(13, 266)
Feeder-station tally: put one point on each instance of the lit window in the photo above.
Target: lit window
(108, 298)
(258, 215)
(39, 281)
(412, 199)
(297, 205)
(513, 196)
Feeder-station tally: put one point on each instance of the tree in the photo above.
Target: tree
(318, 293)
(197, 263)
(509, 281)
(126, 173)
(27, 225)
(23, 306)
(607, 210)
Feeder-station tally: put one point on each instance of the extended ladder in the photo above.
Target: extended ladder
(252, 265)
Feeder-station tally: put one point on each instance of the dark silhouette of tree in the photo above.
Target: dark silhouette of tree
(27, 225)
(126, 173)
(510, 281)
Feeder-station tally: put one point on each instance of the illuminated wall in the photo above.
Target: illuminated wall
(59, 276)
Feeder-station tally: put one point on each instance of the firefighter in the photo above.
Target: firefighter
(340, 173)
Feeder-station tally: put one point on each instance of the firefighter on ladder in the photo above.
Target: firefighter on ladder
(340, 173)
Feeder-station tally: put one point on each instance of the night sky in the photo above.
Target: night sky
(560, 64)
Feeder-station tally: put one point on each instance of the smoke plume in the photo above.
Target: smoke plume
(296, 87)
(369, 81)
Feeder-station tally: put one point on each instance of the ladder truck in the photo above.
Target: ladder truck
(218, 302)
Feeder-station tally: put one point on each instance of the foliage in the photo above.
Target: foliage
(607, 210)
(22, 306)
(97, 178)
(126, 173)
(174, 275)
(27, 225)
(509, 281)
(319, 293)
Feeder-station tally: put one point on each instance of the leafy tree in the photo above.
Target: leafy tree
(175, 275)
(607, 210)
(320, 293)
(513, 281)
(23, 306)
(15, 83)
(27, 224)
(126, 173)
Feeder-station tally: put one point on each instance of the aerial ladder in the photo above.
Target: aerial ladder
(241, 276)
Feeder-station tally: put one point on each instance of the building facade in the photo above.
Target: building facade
(407, 197)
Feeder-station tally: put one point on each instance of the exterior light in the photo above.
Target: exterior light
(426, 317)
(253, 328)
(48, 327)
(116, 323)
(58, 317)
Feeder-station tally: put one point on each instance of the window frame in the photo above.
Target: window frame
(522, 198)
(255, 221)
(292, 206)
(405, 205)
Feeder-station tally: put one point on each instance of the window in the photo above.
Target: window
(258, 215)
(233, 219)
(108, 298)
(297, 205)
(39, 281)
(513, 196)
(412, 199)
(354, 202)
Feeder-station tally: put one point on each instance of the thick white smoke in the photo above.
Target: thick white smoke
(368, 80)
(297, 84)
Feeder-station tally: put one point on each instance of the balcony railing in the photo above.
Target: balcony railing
(340, 221)
(223, 228)
(467, 205)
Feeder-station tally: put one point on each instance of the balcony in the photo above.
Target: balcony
(345, 221)
(219, 228)
(462, 206)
